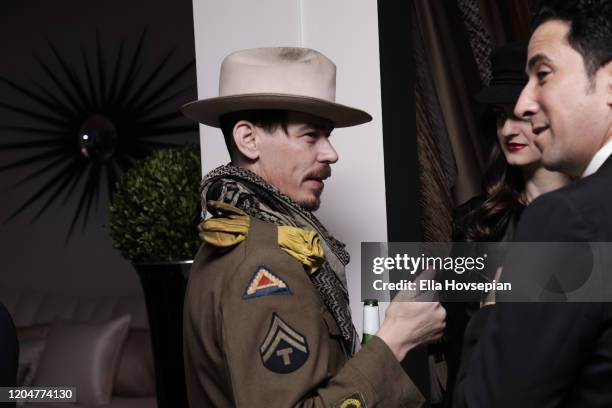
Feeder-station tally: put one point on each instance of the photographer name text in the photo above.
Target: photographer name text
(449, 285)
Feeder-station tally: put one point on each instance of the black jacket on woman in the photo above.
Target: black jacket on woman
(459, 314)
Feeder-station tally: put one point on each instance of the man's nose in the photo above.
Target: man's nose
(526, 106)
(327, 153)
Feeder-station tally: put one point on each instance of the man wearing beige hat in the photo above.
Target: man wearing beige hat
(266, 319)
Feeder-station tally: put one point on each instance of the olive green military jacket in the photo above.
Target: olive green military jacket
(256, 334)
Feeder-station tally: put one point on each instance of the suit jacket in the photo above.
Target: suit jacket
(547, 354)
(257, 334)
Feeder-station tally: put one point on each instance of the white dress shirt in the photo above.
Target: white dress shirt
(600, 157)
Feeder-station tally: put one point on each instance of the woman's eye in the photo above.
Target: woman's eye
(500, 116)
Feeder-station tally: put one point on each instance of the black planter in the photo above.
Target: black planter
(164, 286)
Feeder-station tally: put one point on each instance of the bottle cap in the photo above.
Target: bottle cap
(370, 302)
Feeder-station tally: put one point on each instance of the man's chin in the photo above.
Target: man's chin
(310, 204)
(550, 163)
(554, 163)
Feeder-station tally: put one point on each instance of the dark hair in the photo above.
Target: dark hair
(268, 119)
(503, 185)
(590, 31)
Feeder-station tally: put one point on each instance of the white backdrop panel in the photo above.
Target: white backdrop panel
(353, 206)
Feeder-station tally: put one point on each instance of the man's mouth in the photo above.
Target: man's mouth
(316, 182)
(537, 129)
(318, 177)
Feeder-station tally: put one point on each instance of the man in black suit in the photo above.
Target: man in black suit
(556, 354)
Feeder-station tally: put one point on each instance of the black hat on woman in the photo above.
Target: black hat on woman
(509, 78)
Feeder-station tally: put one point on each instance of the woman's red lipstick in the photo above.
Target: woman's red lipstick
(515, 147)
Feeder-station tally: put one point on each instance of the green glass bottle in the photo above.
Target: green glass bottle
(371, 320)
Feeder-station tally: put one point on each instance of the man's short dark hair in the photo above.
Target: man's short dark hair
(590, 31)
(268, 119)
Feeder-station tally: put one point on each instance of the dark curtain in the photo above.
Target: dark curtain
(452, 43)
(437, 165)
(451, 156)
(507, 20)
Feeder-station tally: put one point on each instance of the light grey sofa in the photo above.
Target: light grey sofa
(37, 314)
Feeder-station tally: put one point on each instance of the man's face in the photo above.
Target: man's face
(297, 162)
(568, 110)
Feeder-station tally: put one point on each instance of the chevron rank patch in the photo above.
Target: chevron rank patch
(284, 350)
(265, 282)
(352, 401)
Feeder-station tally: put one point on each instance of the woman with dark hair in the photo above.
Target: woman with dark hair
(513, 179)
(514, 176)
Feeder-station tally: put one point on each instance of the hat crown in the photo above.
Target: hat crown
(508, 64)
(278, 70)
(276, 78)
(509, 78)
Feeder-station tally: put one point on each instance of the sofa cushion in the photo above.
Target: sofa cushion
(136, 374)
(29, 358)
(84, 355)
(35, 332)
(32, 341)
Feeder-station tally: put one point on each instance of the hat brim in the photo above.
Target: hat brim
(208, 111)
(499, 94)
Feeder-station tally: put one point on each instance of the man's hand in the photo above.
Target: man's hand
(410, 322)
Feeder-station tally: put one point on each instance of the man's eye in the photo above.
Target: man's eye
(541, 75)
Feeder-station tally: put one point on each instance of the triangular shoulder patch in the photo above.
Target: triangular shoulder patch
(264, 282)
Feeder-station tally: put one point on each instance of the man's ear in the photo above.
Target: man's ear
(245, 139)
(607, 71)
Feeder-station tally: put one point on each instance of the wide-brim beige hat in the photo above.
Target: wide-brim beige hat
(284, 78)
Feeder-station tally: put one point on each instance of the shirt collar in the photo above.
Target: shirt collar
(600, 157)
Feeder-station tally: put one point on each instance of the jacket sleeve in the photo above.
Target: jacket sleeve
(527, 354)
(282, 347)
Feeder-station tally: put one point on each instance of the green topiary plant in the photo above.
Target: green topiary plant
(156, 207)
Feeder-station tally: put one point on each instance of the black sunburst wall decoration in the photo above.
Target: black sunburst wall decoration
(87, 126)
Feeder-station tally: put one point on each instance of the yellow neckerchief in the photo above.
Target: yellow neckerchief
(302, 245)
